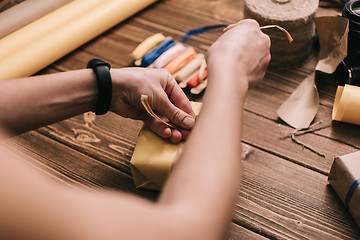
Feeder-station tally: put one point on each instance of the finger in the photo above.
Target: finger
(184, 133)
(245, 21)
(229, 27)
(175, 114)
(158, 127)
(177, 96)
(176, 136)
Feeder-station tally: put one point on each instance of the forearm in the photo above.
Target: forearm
(206, 177)
(29, 103)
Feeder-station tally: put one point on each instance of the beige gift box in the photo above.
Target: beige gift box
(153, 157)
(344, 177)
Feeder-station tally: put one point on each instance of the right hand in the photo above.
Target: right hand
(242, 49)
(165, 97)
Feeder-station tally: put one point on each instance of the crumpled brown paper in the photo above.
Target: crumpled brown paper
(301, 107)
(344, 177)
(332, 33)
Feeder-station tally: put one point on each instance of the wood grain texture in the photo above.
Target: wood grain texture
(283, 193)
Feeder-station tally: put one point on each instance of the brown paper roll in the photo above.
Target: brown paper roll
(61, 40)
(296, 16)
(25, 13)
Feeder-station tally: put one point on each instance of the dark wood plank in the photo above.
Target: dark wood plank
(238, 232)
(77, 166)
(281, 200)
(277, 199)
(283, 193)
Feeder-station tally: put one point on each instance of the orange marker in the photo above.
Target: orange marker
(179, 62)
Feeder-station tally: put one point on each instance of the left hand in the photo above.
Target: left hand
(165, 97)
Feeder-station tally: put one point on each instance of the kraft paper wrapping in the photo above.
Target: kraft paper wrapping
(301, 107)
(26, 12)
(153, 157)
(344, 177)
(332, 33)
(347, 104)
(66, 37)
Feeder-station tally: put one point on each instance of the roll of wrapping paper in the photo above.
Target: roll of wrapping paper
(59, 41)
(43, 26)
(25, 13)
(347, 104)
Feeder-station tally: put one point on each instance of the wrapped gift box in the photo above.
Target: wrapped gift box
(344, 177)
(153, 157)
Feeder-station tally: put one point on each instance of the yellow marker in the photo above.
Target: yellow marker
(148, 44)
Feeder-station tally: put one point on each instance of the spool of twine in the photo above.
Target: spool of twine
(296, 16)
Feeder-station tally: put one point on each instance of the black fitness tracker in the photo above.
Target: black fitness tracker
(103, 77)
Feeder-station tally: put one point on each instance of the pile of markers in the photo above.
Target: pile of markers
(186, 65)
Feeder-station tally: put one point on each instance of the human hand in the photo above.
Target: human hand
(242, 49)
(165, 97)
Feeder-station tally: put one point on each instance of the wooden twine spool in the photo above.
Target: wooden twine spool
(296, 16)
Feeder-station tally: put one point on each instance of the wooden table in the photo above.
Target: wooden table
(283, 194)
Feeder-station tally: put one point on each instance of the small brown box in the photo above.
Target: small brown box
(344, 177)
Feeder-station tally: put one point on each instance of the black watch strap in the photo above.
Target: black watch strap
(103, 77)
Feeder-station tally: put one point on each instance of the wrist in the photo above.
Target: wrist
(228, 77)
(104, 85)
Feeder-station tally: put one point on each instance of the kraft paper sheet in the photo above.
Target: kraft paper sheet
(26, 12)
(344, 172)
(300, 108)
(347, 104)
(153, 157)
(64, 38)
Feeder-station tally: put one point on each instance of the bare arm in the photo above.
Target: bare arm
(206, 178)
(197, 200)
(33, 102)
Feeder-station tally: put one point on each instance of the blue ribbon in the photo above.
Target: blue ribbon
(351, 191)
(201, 30)
(151, 56)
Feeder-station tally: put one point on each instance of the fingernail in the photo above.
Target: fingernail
(189, 122)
